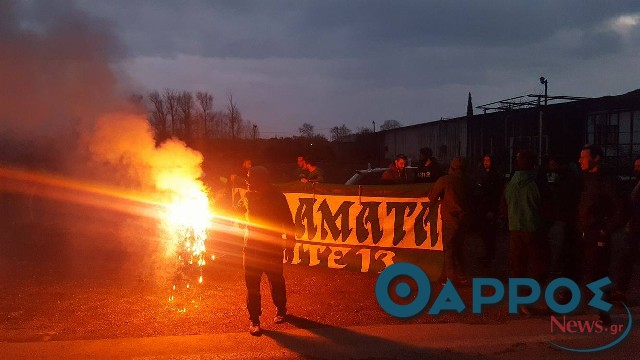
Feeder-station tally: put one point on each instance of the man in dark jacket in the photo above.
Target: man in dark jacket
(600, 213)
(428, 169)
(268, 217)
(454, 190)
(632, 236)
(396, 174)
(564, 192)
(489, 186)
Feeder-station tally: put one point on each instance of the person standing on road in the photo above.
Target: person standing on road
(396, 174)
(429, 172)
(600, 213)
(453, 190)
(563, 184)
(526, 222)
(268, 218)
(632, 237)
(489, 186)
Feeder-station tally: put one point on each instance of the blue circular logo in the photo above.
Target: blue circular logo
(403, 290)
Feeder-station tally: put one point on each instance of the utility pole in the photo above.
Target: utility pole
(544, 82)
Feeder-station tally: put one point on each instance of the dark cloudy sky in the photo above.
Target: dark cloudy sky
(354, 62)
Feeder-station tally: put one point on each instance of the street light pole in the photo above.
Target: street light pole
(544, 82)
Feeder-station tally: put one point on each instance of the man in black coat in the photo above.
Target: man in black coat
(601, 211)
(489, 186)
(268, 218)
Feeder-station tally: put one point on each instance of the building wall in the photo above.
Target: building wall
(612, 122)
(447, 139)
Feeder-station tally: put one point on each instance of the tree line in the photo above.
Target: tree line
(341, 132)
(180, 114)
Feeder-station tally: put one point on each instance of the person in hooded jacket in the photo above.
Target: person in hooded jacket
(526, 221)
(454, 190)
(268, 218)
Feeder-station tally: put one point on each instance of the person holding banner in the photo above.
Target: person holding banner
(268, 218)
(454, 191)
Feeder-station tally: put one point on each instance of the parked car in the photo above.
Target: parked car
(374, 176)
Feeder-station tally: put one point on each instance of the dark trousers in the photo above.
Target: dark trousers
(596, 251)
(527, 249)
(488, 231)
(595, 255)
(629, 258)
(255, 264)
(453, 233)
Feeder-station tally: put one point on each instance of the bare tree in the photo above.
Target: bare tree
(219, 124)
(306, 130)
(171, 106)
(205, 100)
(158, 113)
(185, 108)
(233, 115)
(339, 132)
(390, 124)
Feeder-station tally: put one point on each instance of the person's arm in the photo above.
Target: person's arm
(387, 178)
(436, 191)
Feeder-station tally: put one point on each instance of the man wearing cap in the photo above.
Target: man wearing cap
(268, 218)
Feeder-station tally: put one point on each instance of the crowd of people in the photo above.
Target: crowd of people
(579, 207)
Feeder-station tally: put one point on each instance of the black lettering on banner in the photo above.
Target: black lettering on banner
(329, 219)
(400, 209)
(304, 218)
(420, 224)
(368, 215)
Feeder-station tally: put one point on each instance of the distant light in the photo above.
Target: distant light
(311, 144)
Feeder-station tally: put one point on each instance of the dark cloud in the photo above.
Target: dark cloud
(328, 29)
(328, 61)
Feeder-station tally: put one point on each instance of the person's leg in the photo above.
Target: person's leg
(488, 235)
(632, 242)
(460, 266)
(517, 254)
(277, 284)
(252, 276)
(448, 231)
(595, 263)
(537, 255)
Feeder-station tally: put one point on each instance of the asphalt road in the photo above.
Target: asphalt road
(72, 278)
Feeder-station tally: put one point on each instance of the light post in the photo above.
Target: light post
(544, 82)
